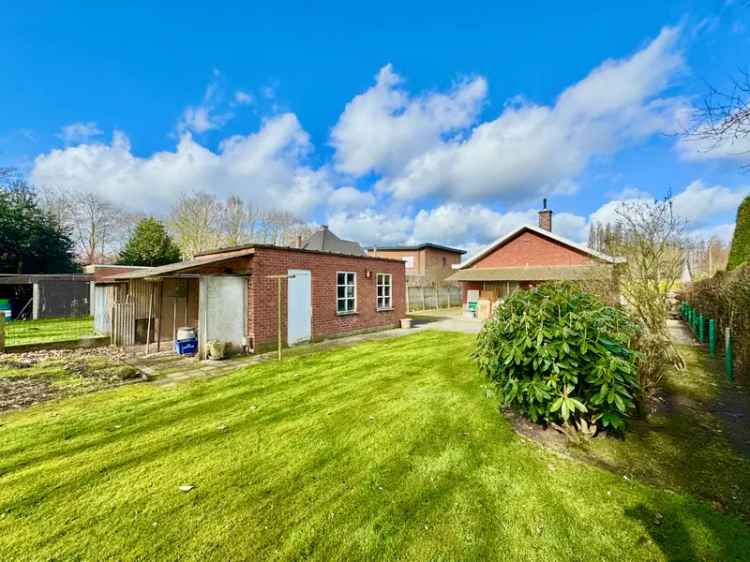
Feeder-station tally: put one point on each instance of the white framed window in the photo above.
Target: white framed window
(384, 287)
(346, 292)
(409, 261)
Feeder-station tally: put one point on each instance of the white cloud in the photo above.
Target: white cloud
(266, 167)
(243, 98)
(701, 206)
(79, 132)
(350, 199)
(464, 226)
(384, 128)
(527, 150)
(206, 115)
(702, 146)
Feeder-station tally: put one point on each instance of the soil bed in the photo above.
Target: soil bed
(39, 376)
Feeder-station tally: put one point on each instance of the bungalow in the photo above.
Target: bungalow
(231, 294)
(529, 255)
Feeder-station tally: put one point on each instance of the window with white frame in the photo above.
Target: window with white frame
(384, 301)
(346, 292)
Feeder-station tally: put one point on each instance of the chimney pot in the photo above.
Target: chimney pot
(545, 217)
(299, 241)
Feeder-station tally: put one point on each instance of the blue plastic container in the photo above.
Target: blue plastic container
(187, 347)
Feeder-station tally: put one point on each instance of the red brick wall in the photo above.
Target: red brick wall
(262, 295)
(529, 248)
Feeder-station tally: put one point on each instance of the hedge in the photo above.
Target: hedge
(726, 299)
(740, 251)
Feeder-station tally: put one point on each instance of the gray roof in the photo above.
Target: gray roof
(533, 273)
(326, 241)
(415, 248)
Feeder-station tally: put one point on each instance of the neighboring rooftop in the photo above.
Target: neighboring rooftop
(415, 248)
(326, 241)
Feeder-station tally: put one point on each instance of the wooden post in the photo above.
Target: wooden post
(148, 321)
(2, 333)
(158, 317)
(406, 287)
(278, 325)
(424, 305)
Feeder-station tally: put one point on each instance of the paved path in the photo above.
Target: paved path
(167, 369)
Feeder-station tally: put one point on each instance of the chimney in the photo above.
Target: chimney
(323, 227)
(545, 217)
(299, 241)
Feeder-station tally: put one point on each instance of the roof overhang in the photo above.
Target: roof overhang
(188, 268)
(534, 273)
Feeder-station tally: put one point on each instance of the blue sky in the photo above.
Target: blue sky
(396, 123)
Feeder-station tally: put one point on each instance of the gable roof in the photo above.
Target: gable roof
(541, 232)
(326, 241)
(415, 248)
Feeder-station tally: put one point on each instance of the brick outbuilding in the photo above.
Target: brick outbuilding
(324, 295)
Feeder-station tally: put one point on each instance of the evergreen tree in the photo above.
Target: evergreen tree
(31, 241)
(150, 245)
(740, 252)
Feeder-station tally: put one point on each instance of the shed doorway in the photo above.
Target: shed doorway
(299, 306)
(222, 309)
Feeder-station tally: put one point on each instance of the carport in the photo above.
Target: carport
(148, 306)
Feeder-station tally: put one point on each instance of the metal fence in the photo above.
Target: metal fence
(432, 298)
(47, 330)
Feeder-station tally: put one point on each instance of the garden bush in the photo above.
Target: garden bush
(559, 355)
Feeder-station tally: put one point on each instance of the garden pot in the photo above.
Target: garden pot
(406, 323)
(216, 349)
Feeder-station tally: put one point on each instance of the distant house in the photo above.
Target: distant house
(426, 264)
(529, 255)
(326, 241)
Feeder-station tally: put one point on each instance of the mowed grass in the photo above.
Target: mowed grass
(694, 442)
(385, 450)
(47, 330)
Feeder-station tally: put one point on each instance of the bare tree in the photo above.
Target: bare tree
(201, 222)
(653, 242)
(723, 120)
(98, 227)
(196, 222)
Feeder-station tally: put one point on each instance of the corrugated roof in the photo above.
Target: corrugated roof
(533, 273)
(182, 266)
(415, 248)
(326, 241)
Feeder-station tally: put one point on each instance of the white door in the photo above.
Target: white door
(299, 306)
(222, 309)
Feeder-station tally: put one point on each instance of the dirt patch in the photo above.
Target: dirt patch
(39, 376)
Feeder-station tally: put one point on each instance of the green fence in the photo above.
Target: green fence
(703, 328)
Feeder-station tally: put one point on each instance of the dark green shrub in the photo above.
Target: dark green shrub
(740, 251)
(558, 355)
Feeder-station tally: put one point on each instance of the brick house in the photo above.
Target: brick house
(530, 255)
(426, 264)
(232, 295)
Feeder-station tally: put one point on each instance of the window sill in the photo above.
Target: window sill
(350, 313)
(384, 309)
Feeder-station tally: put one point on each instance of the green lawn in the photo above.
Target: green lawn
(47, 330)
(687, 445)
(385, 450)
